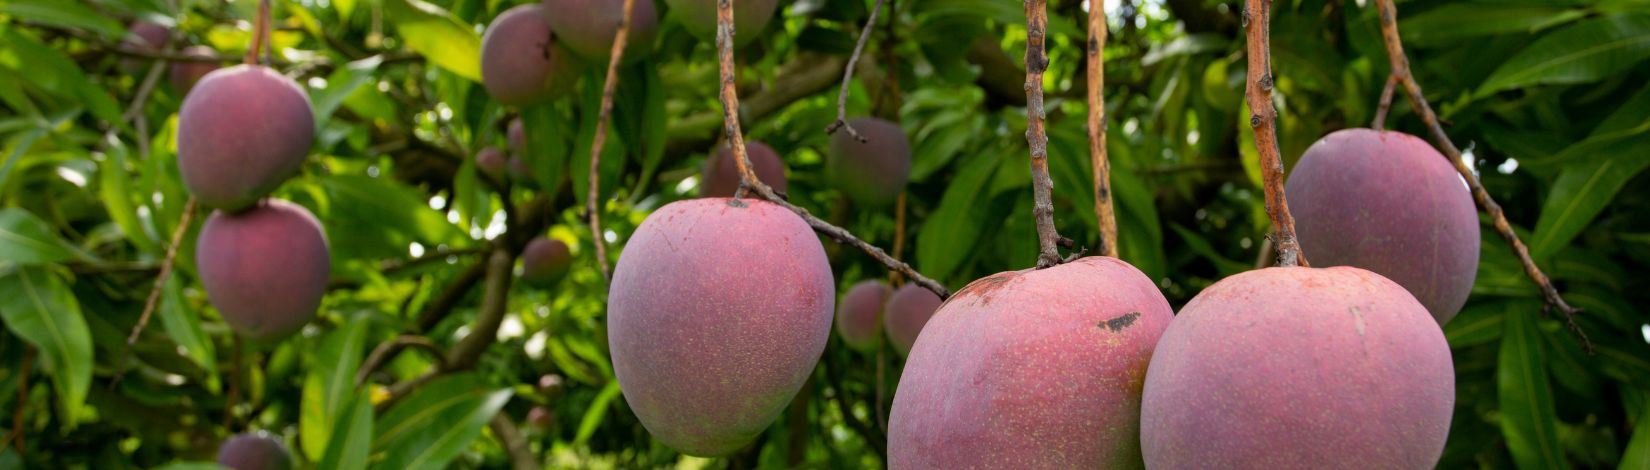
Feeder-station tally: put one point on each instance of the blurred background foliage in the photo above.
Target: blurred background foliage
(1549, 98)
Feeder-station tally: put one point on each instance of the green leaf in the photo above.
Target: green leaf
(378, 217)
(439, 36)
(1580, 53)
(26, 239)
(340, 85)
(593, 415)
(1479, 323)
(48, 68)
(1637, 456)
(1583, 190)
(613, 148)
(433, 425)
(351, 435)
(329, 386)
(184, 326)
(1187, 45)
(114, 188)
(63, 13)
(1528, 420)
(1455, 22)
(547, 145)
(1226, 266)
(40, 309)
(952, 230)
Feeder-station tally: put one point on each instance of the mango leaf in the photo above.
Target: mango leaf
(114, 189)
(40, 309)
(437, 35)
(1442, 25)
(1188, 45)
(329, 386)
(184, 326)
(951, 231)
(352, 434)
(1582, 191)
(48, 68)
(613, 147)
(547, 150)
(379, 217)
(1528, 419)
(593, 415)
(340, 85)
(1479, 323)
(1194, 241)
(26, 239)
(1579, 53)
(62, 13)
(1637, 455)
(434, 424)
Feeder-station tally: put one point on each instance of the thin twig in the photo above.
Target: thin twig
(1385, 103)
(848, 76)
(438, 308)
(260, 33)
(380, 355)
(894, 277)
(509, 437)
(1264, 118)
(1042, 187)
(160, 278)
(1103, 210)
(736, 139)
(591, 207)
(1418, 101)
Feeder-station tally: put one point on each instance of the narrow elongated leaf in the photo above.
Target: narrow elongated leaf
(437, 35)
(63, 13)
(593, 415)
(1529, 422)
(613, 148)
(1579, 53)
(184, 326)
(48, 68)
(40, 309)
(1637, 456)
(340, 85)
(1479, 323)
(1583, 190)
(26, 239)
(952, 230)
(1467, 20)
(351, 436)
(547, 145)
(329, 386)
(433, 425)
(114, 188)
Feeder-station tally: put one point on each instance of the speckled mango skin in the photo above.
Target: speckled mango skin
(545, 261)
(721, 175)
(872, 173)
(859, 316)
(1389, 203)
(1031, 369)
(716, 316)
(1299, 368)
(908, 310)
(520, 61)
(587, 27)
(242, 131)
(264, 269)
(698, 17)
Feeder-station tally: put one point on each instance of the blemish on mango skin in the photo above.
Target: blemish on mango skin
(1121, 322)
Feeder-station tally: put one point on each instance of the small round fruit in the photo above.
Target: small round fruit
(1299, 368)
(264, 269)
(587, 27)
(545, 261)
(186, 73)
(516, 135)
(242, 131)
(491, 161)
(540, 419)
(1031, 369)
(859, 316)
(909, 309)
(520, 61)
(718, 312)
(1388, 202)
(254, 451)
(874, 172)
(699, 18)
(721, 175)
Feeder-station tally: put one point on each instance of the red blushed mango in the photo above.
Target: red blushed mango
(545, 261)
(859, 316)
(721, 175)
(516, 136)
(587, 27)
(146, 36)
(1299, 368)
(908, 310)
(520, 61)
(491, 161)
(264, 269)
(1387, 202)
(242, 131)
(254, 451)
(874, 172)
(1031, 369)
(717, 314)
(185, 74)
(699, 18)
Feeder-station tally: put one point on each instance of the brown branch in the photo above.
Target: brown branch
(1048, 239)
(160, 278)
(1418, 101)
(493, 302)
(387, 350)
(736, 139)
(438, 308)
(1264, 118)
(1103, 210)
(610, 85)
(17, 424)
(894, 277)
(260, 33)
(848, 76)
(1385, 103)
(509, 436)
